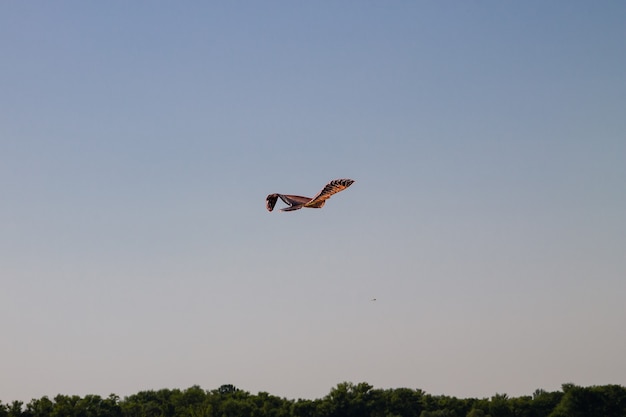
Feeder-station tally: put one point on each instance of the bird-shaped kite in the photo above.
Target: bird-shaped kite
(296, 202)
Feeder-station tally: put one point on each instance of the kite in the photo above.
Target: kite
(296, 202)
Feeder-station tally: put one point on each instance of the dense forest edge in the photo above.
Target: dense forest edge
(346, 400)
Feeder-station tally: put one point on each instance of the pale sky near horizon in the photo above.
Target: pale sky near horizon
(138, 141)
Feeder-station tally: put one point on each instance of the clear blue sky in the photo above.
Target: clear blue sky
(138, 141)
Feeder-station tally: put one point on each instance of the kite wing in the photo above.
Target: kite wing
(331, 188)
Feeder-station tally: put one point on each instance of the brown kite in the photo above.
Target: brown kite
(296, 202)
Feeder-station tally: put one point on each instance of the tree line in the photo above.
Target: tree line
(345, 400)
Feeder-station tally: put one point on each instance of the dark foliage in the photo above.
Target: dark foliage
(344, 400)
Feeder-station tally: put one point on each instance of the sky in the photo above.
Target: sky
(138, 141)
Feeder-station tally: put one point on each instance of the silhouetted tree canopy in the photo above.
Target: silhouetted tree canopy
(345, 400)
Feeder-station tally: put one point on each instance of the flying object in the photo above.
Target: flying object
(296, 202)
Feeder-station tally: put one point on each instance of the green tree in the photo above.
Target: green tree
(40, 407)
(438, 413)
(268, 405)
(345, 400)
(596, 401)
(404, 402)
(148, 404)
(499, 406)
(348, 399)
(65, 406)
(543, 402)
(477, 412)
(614, 400)
(192, 402)
(522, 406)
(304, 408)
(450, 406)
(15, 409)
(110, 407)
(236, 407)
(576, 402)
(227, 389)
